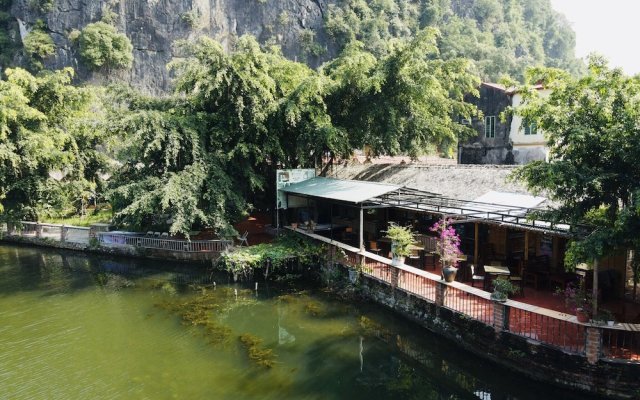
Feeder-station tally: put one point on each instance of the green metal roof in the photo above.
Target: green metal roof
(338, 189)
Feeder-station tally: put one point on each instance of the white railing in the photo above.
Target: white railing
(57, 232)
(187, 246)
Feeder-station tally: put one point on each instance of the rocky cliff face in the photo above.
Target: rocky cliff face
(154, 25)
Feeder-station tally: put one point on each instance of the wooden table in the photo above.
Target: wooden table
(494, 271)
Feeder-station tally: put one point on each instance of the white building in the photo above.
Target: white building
(529, 142)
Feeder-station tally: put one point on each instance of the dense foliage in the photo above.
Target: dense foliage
(38, 45)
(48, 144)
(9, 38)
(269, 257)
(102, 46)
(592, 127)
(196, 158)
(503, 37)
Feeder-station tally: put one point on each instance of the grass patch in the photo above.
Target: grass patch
(100, 217)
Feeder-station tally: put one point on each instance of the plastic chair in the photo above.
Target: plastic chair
(243, 239)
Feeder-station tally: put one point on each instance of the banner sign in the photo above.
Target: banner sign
(286, 177)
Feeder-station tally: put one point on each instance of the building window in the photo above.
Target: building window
(530, 129)
(490, 126)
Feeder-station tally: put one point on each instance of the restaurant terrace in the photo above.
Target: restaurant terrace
(499, 237)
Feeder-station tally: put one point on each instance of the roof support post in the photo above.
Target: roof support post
(595, 286)
(361, 231)
(475, 245)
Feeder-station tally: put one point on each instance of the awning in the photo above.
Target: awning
(338, 189)
(503, 202)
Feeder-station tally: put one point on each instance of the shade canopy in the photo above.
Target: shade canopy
(340, 190)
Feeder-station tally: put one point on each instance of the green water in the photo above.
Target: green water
(83, 327)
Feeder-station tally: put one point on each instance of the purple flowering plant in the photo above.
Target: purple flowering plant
(448, 244)
(576, 297)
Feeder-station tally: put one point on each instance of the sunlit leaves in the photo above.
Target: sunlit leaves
(592, 125)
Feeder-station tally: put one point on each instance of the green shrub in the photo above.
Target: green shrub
(190, 18)
(38, 45)
(101, 46)
(41, 5)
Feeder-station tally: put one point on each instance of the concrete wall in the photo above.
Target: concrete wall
(527, 148)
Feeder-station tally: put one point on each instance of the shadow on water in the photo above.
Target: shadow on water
(58, 271)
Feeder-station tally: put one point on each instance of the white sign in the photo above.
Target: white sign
(286, 177)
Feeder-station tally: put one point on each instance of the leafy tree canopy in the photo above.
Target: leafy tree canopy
(503, 37)
(593, 131)
(48, 143)
(101, 46)
(195, 158)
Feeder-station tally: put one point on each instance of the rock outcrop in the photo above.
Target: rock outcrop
(154, 25)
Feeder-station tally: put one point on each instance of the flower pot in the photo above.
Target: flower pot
(397, 260)
(353, 275)
(449, 273)
(611, 323)
(499, 297)
(582, 315)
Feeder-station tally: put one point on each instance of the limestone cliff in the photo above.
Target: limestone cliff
(154, 25)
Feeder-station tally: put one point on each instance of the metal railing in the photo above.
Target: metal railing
(552, 328)
(186, 246)
(564, 333)
(472, 305)
(621, 343)
(56, 232)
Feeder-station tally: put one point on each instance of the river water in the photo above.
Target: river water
(84, 327)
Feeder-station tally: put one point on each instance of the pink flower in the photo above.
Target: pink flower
(448, 245)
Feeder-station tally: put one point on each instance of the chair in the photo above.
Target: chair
(165, 235)
(518, 278)
(475, 278)
(414, 258)
(243, 239)
(149, 233)
(156, 234)
(373, 247)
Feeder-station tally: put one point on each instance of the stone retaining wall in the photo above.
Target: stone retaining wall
(538, 361)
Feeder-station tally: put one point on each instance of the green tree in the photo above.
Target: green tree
(101, 46)
(591, 125)
(238, 116)
(38, 45)
(503, 37)
(43, 161)
(403, 102)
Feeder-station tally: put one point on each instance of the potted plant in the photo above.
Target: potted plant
(311, 225)
(401, 238)
(448, 248)
(502, 288)
(604, 316)
(578, 300)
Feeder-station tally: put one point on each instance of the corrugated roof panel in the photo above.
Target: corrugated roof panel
(341, 190)
(510, 199)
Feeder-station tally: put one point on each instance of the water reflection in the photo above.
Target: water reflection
(75, 326)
